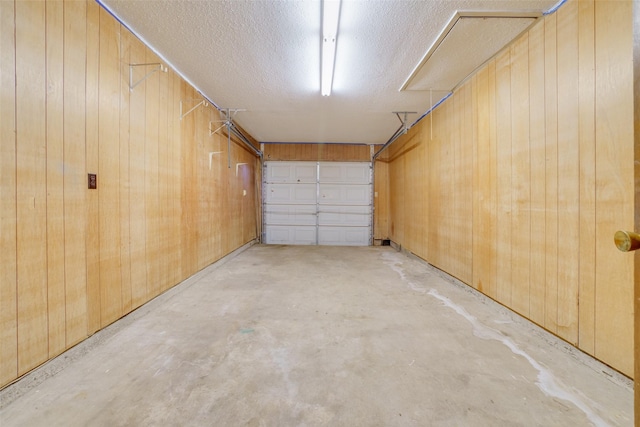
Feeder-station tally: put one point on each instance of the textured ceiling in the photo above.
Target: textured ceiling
(264, 56)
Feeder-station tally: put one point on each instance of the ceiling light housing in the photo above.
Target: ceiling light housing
(330, 19)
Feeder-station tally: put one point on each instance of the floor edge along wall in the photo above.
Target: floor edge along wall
(517, 183)
(32, 379)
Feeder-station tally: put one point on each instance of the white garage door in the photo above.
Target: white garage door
(311, 203)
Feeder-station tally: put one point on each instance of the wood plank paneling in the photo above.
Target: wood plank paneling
(503, 147)
(317, 152)
(445, 233)
(223, 206)
(219, 165)
(551, 173)
(137, 196)
(75, 174)
(189, 191)
(204, 227)
(175, 171)
(92, 166)
(8, 239)
(73, 259)
(586, 97)
(491, 186)
(484, 209)
(31, 184)
(568, 172)
(420, 189)
(614, 183)
(214, 220)
(520, 177)
(410, 176)
(554, 112)
(433, 154)
(381, 200)
(108, 170)
(163, 184)
(396, 199)
(55, 177)
(462, 187)
(537, 285)
(124, 190)
(151, 190)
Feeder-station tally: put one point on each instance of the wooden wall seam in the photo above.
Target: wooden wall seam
(92, 163)
(8, 197)
(568, 171)
(587, 161)
(31, 184)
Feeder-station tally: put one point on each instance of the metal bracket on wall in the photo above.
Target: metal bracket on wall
(211, 131)
(226, 118)
(157, 66)
(202, 102)
(404, 119)
(238, 166)
(211, 154)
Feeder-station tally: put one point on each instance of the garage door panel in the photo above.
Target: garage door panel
(291, 194)
(348, 173)
(309, 203)
(291, 235)
(343, 236)
(344, 215)
(290, 215)
(345, 194)
(291, 172)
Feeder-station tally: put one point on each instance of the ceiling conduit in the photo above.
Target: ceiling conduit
(403, 129)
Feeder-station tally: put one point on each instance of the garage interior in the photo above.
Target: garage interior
(194, 231)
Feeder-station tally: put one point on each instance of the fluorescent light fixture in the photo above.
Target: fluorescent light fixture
(328, 60)
(330, 18)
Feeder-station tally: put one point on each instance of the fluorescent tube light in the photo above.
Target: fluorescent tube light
(330, 18)
(328, 60)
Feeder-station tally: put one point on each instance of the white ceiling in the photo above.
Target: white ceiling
(264, 56)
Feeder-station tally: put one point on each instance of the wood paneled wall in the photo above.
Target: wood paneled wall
(75, 260)
(517, 183)
(381, 201)
(318, 152)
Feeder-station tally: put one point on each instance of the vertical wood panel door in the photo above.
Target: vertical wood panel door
(311, 203)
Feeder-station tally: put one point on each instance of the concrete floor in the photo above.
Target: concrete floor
(311, 336)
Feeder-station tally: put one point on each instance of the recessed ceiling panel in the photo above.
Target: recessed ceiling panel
(466, 43)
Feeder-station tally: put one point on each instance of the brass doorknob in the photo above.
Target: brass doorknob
(627, 241)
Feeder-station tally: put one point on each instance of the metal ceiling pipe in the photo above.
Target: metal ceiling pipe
(397, 134)
(245, 140)
(386, 144)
